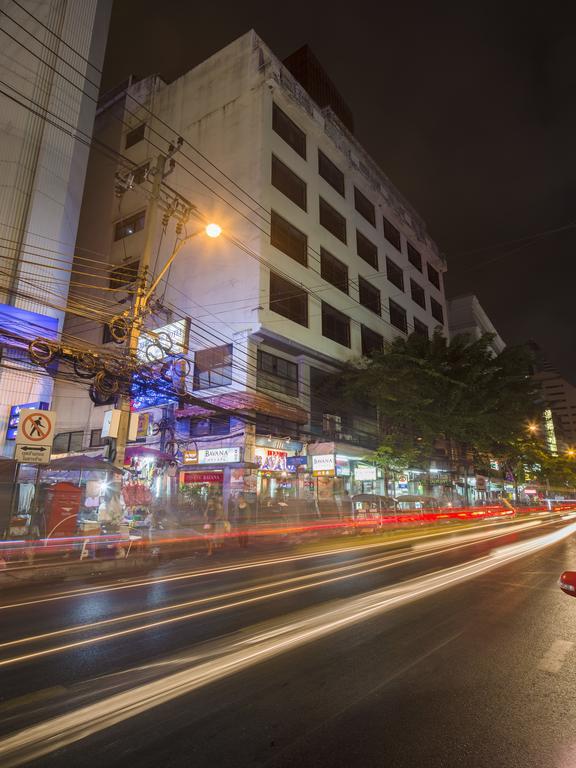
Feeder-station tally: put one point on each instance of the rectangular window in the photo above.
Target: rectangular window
(371, 341)
(369, 296)
(288, 300)
(331, 173)
(398, 316)
(394, 273)
(392, 234)
(141, 173)
(129, 225)
(333, 221)
(335, 325)
(213, 367)
(437, 311)
(96, 439)
(433, 276)
(288, 239)
(66, 442)
(288, 130)
(366, 250)
(414, 257)
(420, 327)
(364, 207)
(214, 425)
(288, 183)
(135, 135)
(333, 270)
(417, 293)
(277, 374)
(124, 275)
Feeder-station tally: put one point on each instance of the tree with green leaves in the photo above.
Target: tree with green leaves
(458, 392)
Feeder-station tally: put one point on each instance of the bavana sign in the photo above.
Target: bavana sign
(219, 455)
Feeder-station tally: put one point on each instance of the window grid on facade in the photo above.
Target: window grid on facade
(366, 250)
(335, 325)
(288, 300)
(96, 439)
(333, 270)
(277, 374)
(291, 185)
(213, 367)
(371, 341)
(212, 425)
(417, 293)
(369, 296)
(288, 239)
(394, 273)
(333, 221)
(130, 225)
(433, 276)
(364, 207)
(414, 257)
(436, 310)
(420, 327)
(392, 234)
(331, 173)
(135, 135)
(398, 316)
(288, 130)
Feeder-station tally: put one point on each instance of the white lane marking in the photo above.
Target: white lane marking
(555, 656)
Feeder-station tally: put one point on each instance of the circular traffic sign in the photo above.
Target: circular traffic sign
(36, 426)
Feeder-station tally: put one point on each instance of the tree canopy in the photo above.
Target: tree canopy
(459, 391)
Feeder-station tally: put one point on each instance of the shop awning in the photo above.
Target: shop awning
(81, 463)
(249, 401)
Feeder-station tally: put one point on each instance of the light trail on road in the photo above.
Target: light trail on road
(511, 526)
(286, 634)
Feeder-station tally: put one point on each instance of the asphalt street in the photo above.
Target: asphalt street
(437, 652)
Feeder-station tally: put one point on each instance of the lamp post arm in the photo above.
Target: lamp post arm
(167, 266)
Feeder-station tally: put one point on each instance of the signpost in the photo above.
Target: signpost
(35, 436)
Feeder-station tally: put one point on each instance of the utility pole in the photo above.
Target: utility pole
(140, 302)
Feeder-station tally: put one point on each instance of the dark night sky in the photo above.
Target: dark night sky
(470, 109)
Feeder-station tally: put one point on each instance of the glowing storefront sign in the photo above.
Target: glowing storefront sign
(324, 465)
(229, 455)
(365, 473)
(270, 460)
(550, 432)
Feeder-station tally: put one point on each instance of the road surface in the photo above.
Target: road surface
(439, 652)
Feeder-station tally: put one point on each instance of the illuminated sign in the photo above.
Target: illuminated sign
(270, 460)
(219, 455)
(550, 432)
(365, 473)
(190, 457)
(324, 465)
(342, 467)
(14, 417)
(18, 327)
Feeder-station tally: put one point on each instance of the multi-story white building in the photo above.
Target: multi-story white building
(320, 262)
(50, 57)
(466, 316)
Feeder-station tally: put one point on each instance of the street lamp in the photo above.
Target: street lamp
(570, 453)
(532, 428)
(211, 230)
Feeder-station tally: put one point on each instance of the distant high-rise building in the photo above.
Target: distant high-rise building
(466, 316)
(50, 57)
(558, 395)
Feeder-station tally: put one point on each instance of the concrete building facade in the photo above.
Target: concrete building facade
(466, 316)
(320, 262)
(51, 55)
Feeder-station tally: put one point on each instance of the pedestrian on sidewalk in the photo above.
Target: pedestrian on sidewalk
(242, 519)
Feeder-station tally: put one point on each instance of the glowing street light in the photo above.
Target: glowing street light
(213, 230)
(532, 427)
(570, 453)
